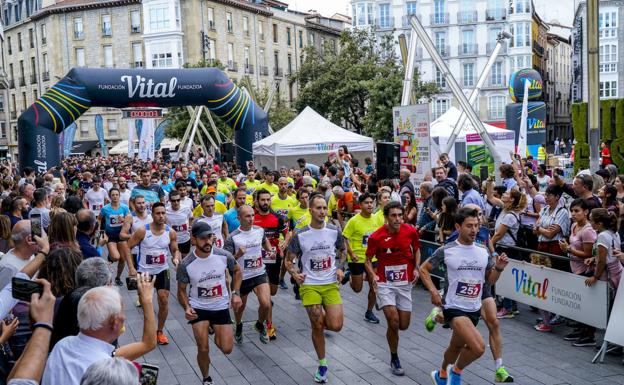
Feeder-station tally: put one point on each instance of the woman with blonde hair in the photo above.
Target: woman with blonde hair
(62, 231)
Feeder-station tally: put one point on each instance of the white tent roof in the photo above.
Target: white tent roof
(122, 147)
(443, 126)
(310, 133)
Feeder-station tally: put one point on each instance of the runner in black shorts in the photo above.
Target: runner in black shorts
(112, 217)
(205, 296)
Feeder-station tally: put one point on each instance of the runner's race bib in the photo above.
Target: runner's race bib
(470, 289)
(96, 207)
(365, 240)
(210, 293)
(182, 227)
(252, 263)
(396, 275)
(155, 259)
(269, 256)
(218, 242)
(321, 263)
(116, 220)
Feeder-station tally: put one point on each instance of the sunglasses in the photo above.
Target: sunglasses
(174, 200)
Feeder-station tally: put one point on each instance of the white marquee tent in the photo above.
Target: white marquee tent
(312, 137)
(442, 128)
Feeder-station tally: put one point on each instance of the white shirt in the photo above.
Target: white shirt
(216, 224)
(251, 263)
(71, 357)
(96, 199)
(154, 252)
(10, 259)
(124, 197)
(179, 221)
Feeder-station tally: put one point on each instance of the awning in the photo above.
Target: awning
(82, 147)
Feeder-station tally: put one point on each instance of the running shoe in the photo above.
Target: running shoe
(542, 327)
(397, 370)
(118, 281)
(453, 378)
(264, 338)
(430, 322)
(283, 285)
(504, 313)
(575, 335)
(347, 275)
(207, 381)
(435, 377)
(272, 333)
(557, 320)
(501, 375)
(238, 333)
(321, 375)
(585, 341)
(161, 338)
(369, 316)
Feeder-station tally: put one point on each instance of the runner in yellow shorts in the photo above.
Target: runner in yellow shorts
(317, 246)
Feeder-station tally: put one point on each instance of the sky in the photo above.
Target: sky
(563, 12)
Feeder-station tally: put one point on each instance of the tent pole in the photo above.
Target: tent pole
(275, 156)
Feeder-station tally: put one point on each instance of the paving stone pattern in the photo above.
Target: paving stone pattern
(359, 353)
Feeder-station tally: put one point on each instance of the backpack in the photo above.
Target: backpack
(522, 236)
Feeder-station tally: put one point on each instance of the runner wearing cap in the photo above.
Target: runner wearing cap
(247, 244)
(204, 294)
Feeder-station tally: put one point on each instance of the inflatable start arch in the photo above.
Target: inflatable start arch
(83, 88)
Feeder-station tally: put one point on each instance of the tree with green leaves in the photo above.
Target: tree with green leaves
(357, 85)
(279, 113)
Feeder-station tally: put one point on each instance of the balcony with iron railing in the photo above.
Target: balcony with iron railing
(211, 25)
(33, 79)
(438, 19)
(135, 29)
(45, 76)
(384, 23)
(490, 48)
(232, 66)
(496, 114)
(249, 69)
(278, 72)
(467, 17)
(137, 64)
(264, 70)
(496, 81)
(467, 49)
(495, 15)
(538, 48)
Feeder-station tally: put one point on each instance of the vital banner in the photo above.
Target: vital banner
(536, 123)
(411, 132)
(83, 88)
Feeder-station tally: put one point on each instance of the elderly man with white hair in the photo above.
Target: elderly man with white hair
(101, 319)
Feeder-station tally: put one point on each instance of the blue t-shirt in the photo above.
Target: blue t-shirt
(114, 218)
(231, 217)
(167, 187)
(221, 197)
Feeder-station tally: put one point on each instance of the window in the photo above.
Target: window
(177, 16)
(440, 80)
(31, 37)
(230, 53)
(411, 7)
(496, 74)
(1, 103)
(106, 25)
(495, 10)
(492, 36)
(135, 21)
(496, 107)
(9, 45)
(440, 42)
(288, 36)
(137, 55)
(439, 11)
(311, 38)
(3, 133)
(522, 6)
(384, 15)
(607, 24)
(159, 18)
(80, 57)
(290, 71)
(274, 33)
(261, 30)
(112, 126)
(608, 58)
(24, 101)
(78, 29)
(108, 56)
(468, 75)
(33, 70)
(14, 104)
(369, 13)
(246, 25)
(261, 61)
(44, 34)
(608, 89)
(440, 106)
(276, 61)
(211, 23)
(161, 55)
(212, 50)
(300, 39)
(84, 128)
(522, 35)
(228, 19)
(468, 39)
(246, 57)
(19, 41)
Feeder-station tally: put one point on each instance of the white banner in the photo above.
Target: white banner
(131, 130)
(615, 330)
(146, 143)
(411, 131)
(555, 291)
(522, 137)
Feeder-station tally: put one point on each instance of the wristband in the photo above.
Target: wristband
(44, 254)
(236, 292)
(43, 325)
(495, 254)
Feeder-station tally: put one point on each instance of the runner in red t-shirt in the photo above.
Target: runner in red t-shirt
(397, 248)
(274, 225)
